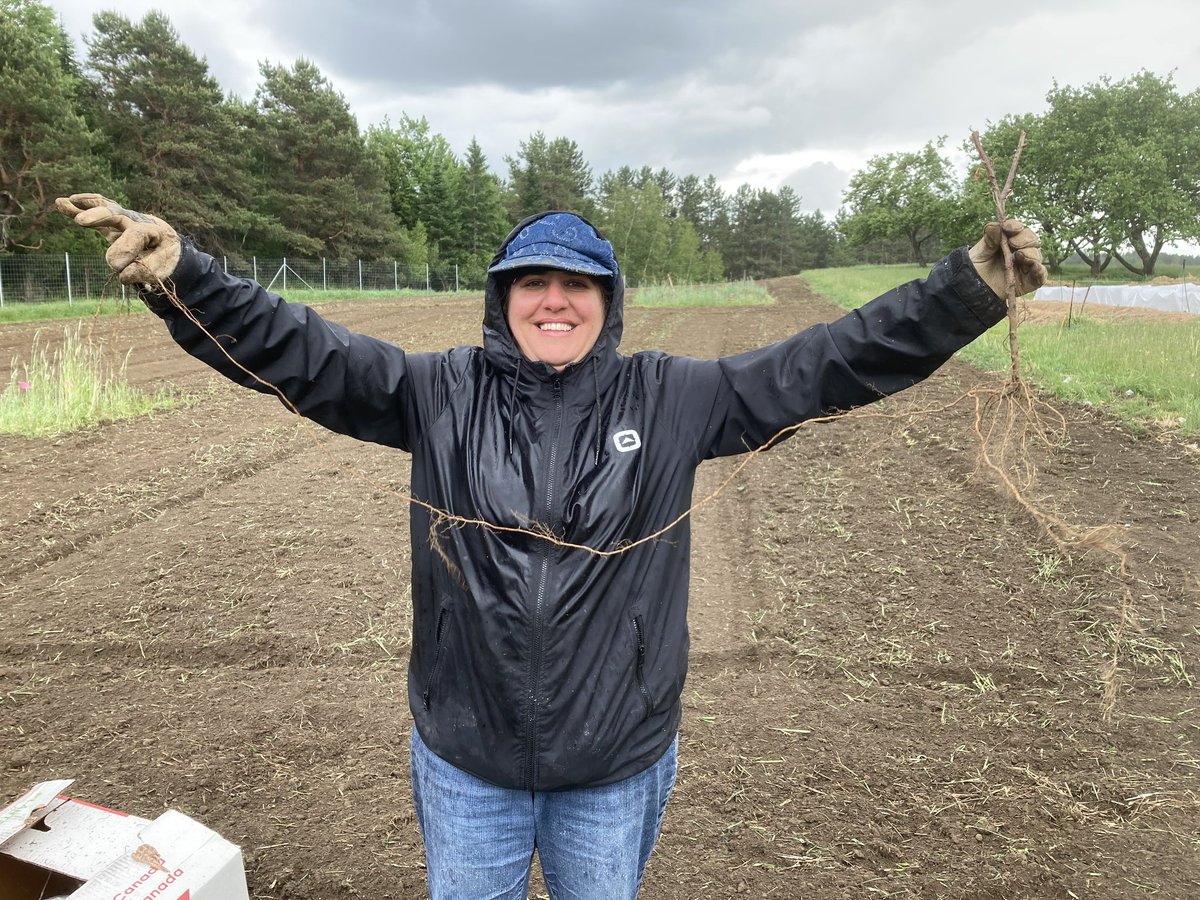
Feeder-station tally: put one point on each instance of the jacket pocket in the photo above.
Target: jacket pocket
(639, 635)
(439, 639)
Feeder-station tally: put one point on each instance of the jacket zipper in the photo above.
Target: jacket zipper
(640, 633)
(535, 641)
(437, 655)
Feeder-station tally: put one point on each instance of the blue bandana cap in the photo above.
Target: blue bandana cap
(559, 241)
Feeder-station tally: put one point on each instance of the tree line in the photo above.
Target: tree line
(289, 172)
(1110, 172)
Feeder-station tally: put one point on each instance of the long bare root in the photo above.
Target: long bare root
(1011, 421)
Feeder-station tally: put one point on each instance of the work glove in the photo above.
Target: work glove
(988, 258)
(143, 250)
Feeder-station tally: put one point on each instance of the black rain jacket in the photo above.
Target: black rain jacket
(534, 666)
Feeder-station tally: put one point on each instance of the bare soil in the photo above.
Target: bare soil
(895, 683)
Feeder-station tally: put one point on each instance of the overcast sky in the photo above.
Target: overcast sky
(761, 91)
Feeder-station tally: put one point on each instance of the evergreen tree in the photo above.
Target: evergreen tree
(483, 222)
(319, 179)
(549, 175)
(46, 147)
(175, 143)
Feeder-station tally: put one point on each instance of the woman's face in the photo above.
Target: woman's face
(555, 316)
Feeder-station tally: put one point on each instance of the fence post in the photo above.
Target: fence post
(225, 264)
(360, 275)
(324, 279)
(456, 278)
(285, 274)
(395, 276)
(67, 258)
(427, 276)
(1, 287)
(254, 263)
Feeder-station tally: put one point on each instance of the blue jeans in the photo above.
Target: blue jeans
(593, 842)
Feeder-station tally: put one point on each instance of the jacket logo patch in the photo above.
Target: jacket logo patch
(627, 441)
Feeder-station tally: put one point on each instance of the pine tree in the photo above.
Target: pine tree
(319, 180)
(46, 146)
(549, 175)
(175, 142)
(483, 221)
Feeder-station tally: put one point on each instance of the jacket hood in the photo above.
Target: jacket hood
(573, 244)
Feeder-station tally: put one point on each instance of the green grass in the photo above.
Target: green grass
(111, 306)
(69, 389)
(1143, 372)
(61, 309)
(732, 293)
(738, 293)
(337, 295)
(852, 287)
(1115, 273)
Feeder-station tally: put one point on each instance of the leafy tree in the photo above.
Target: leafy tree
(1042, 192)
(1150, 165)
(908, 195)
(176, 145)
(46, 147)
(1110, 170)
(319, 179)
(423, 183)
(549, 175)
(650, 242)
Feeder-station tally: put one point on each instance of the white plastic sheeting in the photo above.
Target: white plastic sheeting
(1165, 297)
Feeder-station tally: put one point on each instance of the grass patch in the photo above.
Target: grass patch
(731, 293)
(71, 388)
(113, 306)
(60, 309)
(1141, 371)
(851, 287)
(316, 298)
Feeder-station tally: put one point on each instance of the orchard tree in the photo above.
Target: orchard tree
(1112, 170)
(1151, 164)
(46, 147)
(902, 195)
(1044, 191)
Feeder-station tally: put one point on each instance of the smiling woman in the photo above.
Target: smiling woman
(545, 679)
(555, 316)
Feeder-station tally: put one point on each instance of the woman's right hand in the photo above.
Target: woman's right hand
(144, 249)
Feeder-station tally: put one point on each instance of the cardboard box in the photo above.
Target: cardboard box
(53, 846)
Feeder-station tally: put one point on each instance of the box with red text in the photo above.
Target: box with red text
(54, 847)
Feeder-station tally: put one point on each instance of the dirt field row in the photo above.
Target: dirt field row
(895, 682)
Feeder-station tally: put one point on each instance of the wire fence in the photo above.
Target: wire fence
(51, 278)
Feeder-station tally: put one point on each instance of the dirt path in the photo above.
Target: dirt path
(894, 683)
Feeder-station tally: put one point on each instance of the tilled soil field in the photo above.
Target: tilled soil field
(895, 685)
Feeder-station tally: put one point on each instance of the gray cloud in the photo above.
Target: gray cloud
(699, 87)
(820, 186)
